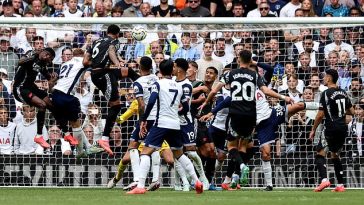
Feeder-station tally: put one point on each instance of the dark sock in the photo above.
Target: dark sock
(210, 168)
(231, 167)
(320, 162)
(339, 171)
(249, 155)
(40, 122)
(110, 119)
(235, 154)
(203, 159)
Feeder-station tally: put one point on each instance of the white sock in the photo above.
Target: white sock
(242, 165)
(235, 178)
(78, 133)
(105, 138)
(267, 169)
(156, 162)
(180, 173)
(312, 105)
(218, 165)
(144, 170)
(359, 131)
(227, 180)
(134, 160)
(188, 166)
(197, 162)
(85, 141)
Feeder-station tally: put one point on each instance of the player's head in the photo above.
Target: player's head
(180, 65)
(145, 63)
(166, 67)
(245, 56)
(113, 29)
(331, 77)
(78, 52)
(47, 55)
(211, 74)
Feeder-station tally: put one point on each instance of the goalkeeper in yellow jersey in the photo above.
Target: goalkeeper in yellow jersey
(141, 87)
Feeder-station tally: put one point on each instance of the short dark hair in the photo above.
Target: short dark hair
(145, 63)
(193, 64)
(334, 75)
(245, 56)
(166, 67)
(113, 29)
(214, 69)
(182, 63)
(37, 38)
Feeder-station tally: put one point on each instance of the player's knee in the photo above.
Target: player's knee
(125, 160)
(266, 157)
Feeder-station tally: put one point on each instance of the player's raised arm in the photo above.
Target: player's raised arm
(212, 94)
(113, 56)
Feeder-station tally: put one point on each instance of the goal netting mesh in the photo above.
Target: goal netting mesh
(306, 49)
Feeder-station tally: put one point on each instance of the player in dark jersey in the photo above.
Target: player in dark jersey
(26, 91)
(334, 105)
(243, 83)
(107, 70)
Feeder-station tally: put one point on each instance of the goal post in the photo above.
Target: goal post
(299, 46)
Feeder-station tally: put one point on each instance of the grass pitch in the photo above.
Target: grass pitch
(76, 196)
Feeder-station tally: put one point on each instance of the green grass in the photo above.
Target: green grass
(67, 196)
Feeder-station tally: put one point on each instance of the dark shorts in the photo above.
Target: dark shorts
(241, 126)
(202, 135)
(25, 95)
(107, 82)
(335, 138)
(157, 135)
(65, 106)
(219, 138)
(135, 134)
(188, 135)
(267, 129)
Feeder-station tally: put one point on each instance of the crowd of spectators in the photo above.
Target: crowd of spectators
(298, 58)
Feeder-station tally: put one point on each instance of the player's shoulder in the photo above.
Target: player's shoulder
(26, 60)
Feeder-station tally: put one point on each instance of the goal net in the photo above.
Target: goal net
(298, 50)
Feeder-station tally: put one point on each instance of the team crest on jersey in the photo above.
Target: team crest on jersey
(154, 88)
(186, 91)
(36, 67)
(136, 89)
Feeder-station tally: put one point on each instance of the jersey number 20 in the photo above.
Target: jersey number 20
(240, 91)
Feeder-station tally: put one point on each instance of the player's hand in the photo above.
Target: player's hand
(53, 76)
(120, 120)
(312, 135)
(121, 64)
(143, 129)
(288, 100)
(206, 117)
(202, 106)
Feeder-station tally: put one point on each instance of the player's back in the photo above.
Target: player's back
(169, 98)
(69, 75)
(187, 92)
(100, 51)
(243, 84)
(263, 109)
(221, 116)
(335, 102)
(142, 88)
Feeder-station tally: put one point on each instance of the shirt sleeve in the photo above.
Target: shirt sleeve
(322, 101)
(138, 89)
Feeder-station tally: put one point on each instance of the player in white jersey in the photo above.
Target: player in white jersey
(168, 95)
(7, 132)
(66, 105)
(142, 90)
(187, 127)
